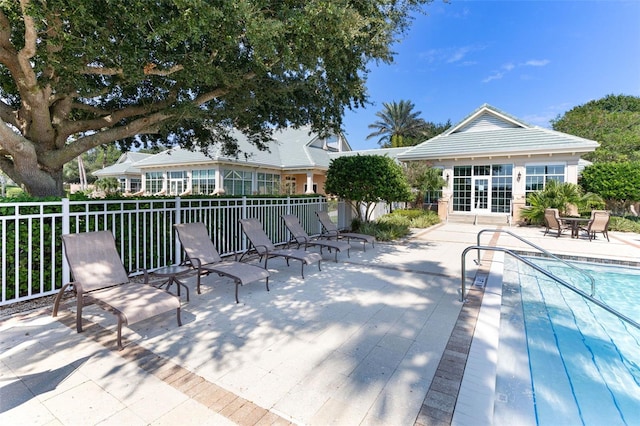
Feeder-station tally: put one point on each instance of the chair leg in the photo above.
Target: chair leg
(120, 347)
(56, 303)
(237, 285)
(79, 302)
(268, 284)
(179, 317)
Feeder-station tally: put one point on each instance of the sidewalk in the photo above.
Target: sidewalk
(356, 343)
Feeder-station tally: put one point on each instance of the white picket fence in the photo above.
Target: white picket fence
(33, 264)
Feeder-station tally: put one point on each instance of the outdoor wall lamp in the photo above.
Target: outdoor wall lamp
(519, 176)
(447, 177)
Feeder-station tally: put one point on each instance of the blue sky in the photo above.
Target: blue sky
(531, 59)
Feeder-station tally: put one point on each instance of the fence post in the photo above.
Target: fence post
(178, 219)
(66, 219)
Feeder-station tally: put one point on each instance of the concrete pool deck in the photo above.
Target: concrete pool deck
(360, 342)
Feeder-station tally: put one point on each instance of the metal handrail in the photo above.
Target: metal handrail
(582, 271)
(545, 272)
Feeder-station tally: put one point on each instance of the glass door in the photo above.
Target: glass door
(480, 194)
(176, 186)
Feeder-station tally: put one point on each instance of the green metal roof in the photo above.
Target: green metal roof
(291, 149)
(124, 166)
(490, 132)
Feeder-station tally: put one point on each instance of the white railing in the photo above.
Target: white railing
(31, 248)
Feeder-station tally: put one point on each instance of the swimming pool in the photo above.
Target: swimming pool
(583, 362)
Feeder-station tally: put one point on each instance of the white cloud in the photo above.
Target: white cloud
(537, 62)
(495, 76)
(510, 66)
(458, 54)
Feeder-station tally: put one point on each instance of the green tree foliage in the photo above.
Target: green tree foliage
(614, 121)
(617, 183)
(559, 196)
(364, 180)
(399, 125)
(78, 74)
(425, 180)
(93, 160)
(108, 185)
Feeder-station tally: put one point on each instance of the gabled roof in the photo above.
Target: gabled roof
(125, 165)
(490, 132)
(291, 149)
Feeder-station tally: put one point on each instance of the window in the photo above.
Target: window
(154, 182)
(462, 188)
(268, 183)
(203, 181)
(290, 185)
(135, 184)
(237, 182)
(501, 188)
(538, 175)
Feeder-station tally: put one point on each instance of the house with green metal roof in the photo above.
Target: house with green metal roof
(126, 171)
(491, 161)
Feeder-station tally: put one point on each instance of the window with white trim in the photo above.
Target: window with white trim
(268, 183)
(538, 175)
(203, 181)
(237, 182)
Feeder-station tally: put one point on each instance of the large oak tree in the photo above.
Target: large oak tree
(77, 74)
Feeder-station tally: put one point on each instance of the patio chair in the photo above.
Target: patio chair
(261, 243)
(599, 222)
(99, 277)
(331, 231)
(300, 236)
(204, 257)
(552, 221)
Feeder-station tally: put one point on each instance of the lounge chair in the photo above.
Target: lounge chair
(300, 236)
(99, 277)
(204, 257)
(599, 222)
(331, 231)
(261, 243)
(552, 221)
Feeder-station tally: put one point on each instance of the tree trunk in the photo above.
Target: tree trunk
(43, 184)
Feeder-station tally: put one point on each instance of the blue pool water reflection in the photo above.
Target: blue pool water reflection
(584, 362)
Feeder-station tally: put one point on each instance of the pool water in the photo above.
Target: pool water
(584, 362)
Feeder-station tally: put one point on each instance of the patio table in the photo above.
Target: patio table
(170, 275)
(574, 222)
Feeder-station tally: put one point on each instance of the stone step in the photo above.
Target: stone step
(502, 219)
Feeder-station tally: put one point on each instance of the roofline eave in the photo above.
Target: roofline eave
(484, 154)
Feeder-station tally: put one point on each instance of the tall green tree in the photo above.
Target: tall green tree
(364, 180)
(424, 179)
(77, 74)
(617, 183)
(397, 125)
(614, 121)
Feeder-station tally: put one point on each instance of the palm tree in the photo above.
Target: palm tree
(398, 125)
(561, 196)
